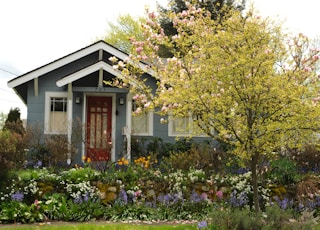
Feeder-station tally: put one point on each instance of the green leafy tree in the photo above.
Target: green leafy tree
(218, 10)
(13, 122)
(243, 81)
(126, 27)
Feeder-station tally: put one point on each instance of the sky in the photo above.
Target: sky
(36, 32)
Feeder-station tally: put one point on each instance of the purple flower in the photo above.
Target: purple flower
(195, 197)
(238, 200)
(123, 197)
(160, 198)
(86, 198)
(18, 196)
(167, 198)
(285, 203)
(202, 224)
(77, 200)
(38, 164)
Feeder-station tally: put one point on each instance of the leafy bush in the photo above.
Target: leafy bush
(142, 146)
(273, 218)
(15, 211)
(283, 171)
(308, 159)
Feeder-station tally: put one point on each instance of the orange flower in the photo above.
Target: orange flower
(123, 161)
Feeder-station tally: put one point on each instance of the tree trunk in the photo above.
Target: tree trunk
(254, 182)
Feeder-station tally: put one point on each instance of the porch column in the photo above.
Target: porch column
(69, 114)
(128, 126)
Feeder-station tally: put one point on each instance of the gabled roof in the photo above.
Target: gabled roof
(100, 45)
(86, 71)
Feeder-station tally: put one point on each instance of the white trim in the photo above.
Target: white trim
(47, 104)
(70, 120)
(86, 71)
(113, 121)
(101, 45)
(128, 124)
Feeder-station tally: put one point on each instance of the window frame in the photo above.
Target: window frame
(47, 104)
(189, 133)
(149, 115)
(172, 133)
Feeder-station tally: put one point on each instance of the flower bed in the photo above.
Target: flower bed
(137, 191)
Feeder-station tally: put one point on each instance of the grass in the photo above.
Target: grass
(99, 226)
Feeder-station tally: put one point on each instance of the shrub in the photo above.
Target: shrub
(11, 152)
(142, 146)
(273, 218)
(308, 159)
(283, 171)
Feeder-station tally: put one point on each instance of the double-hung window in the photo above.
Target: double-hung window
(180, 126)
(56, 119)
(183, 126)
(142, 124)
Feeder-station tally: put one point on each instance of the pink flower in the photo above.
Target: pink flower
(184, 13)
(152, 15)
(137, 193)
(219, 194)
(139, 49)
(204, 195)
(147, 105)
(36, 203)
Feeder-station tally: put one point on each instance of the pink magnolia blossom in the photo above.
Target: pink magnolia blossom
(147, 105)
(152, 15)
(184, 13)
(139, 49)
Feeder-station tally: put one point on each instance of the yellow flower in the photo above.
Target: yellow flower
(88, 159)
(123, 161)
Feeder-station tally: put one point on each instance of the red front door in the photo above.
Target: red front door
(99, 128)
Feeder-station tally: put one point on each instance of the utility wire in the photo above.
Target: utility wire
(18, 102)
(7, 71)
(8, 91)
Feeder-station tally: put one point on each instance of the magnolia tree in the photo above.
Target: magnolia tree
(243, 81)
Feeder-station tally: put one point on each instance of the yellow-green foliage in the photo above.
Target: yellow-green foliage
(278, 190)
(108, 193)
(242, 80)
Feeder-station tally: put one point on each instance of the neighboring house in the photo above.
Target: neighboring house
(71, 90)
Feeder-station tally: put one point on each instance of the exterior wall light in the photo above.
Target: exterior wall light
(121, 101)
(77, 100)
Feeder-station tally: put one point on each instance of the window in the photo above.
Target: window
(56, 120)
(142, 124)
(183, 126)
(180, 126)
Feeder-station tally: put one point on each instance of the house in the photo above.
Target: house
(72, 89)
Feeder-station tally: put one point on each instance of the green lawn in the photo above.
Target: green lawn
(98, 226)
